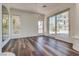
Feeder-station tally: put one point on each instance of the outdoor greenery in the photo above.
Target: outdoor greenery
(5, 24)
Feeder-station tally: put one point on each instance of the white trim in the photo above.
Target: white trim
(75, 37)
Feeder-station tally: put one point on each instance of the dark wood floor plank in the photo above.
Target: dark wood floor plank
(39, 46)
(50, 48)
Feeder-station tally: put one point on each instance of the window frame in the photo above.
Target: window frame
(68, 9)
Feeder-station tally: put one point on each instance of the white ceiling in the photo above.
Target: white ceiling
(37, 7)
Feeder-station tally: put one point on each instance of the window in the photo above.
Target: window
(16, 24)
(52, 25)
(40, 26)
(62, 23)
(59, 23)
(5, 24)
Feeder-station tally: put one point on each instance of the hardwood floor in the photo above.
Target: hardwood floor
(39, 46)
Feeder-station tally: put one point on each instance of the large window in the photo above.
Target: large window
(62, 23)
(52, 25)
(40, 26)
(5, 24)
(16, 24)
(59, 23)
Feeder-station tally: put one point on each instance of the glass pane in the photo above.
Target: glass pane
(5, 23)
(63, 23)
(40, 26)
(52, 25)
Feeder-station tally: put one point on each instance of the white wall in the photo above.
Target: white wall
(29, 23)
(0, 28)
(76, 33)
